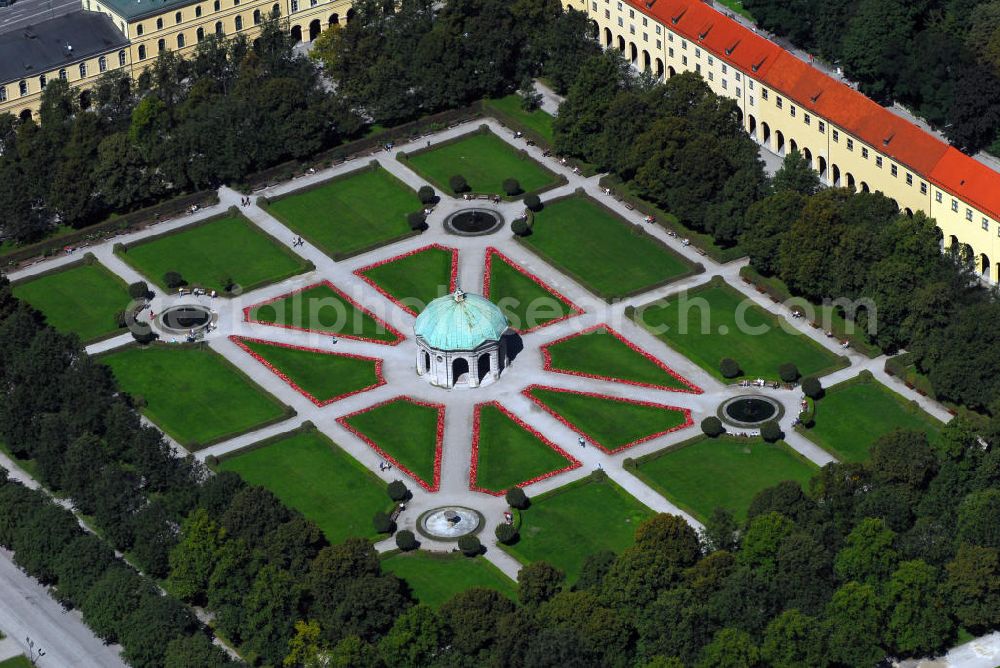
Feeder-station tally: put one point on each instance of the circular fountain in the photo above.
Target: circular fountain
(750, 410)
(449, 523)
(473, 222)
(185, 318)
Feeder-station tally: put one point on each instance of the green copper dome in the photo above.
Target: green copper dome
(460, 321)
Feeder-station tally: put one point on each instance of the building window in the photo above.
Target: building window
(737, 76)
(697, 68)
(180, 40)
(697, 52)
(894, 170)
(161, 45)
(670, 36)
(750, 84)
(102, 64)
(954, 205)
(159, 24)
(631, 13)
(62, 74)
(121, 58)
(658, 30)
(200, 34)
(645, 22)
(986, 224)
(659, 45)
(607, 14)
(725, 84)
(197, 11)
(142, 52)
(177, 17)
(864, 152)
(684, 61)
(750, 99)
(256, 17)
(763, 93)
(821, 126)
(807, 119)
(670, 51)
(138, 29)
(295, 7)
(968, 215)
(923, 188)
(3, 93)
(778, 101)
(835, 135)
(218, 27)
(711, 77)
(878, 161)
(216, 5)
(83, 70)
(42, 81)
(791, 110)
(23, 88)
(631, 29)
(938, 197)
(239, 23)
(724, 68)
(909, 179)
(737, 91)
(850, 144)
(684, 45)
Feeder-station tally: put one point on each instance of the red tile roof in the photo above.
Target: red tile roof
(827, 97)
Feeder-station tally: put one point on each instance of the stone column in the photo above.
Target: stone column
(473, 363)
(495, 363)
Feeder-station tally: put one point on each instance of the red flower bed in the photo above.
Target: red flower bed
(453, 280)
(247, 317)
(241, 342)
(439, 439)
(688, 421)
(574, 310)
(691, 388)
(474, 466)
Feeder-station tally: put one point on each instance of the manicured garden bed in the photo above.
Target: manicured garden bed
(601, 352)
(220, 250)
(435, 577)
(610, 423)
(323, 308)
(415, 278)
(350, 214)
(568, 524)
(192, 393)
(311, 474)
(703, 473)
(406, 432)
(321, 376)
(853, 414)
(484, 160)
(537, 121)
(528, 302)
(608, 255)
(83, 299)
(678, 321)
(507, 453)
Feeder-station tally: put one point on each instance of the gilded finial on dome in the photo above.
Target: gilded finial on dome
(459, 295)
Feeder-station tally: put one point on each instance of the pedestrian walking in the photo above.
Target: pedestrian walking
(582, 442)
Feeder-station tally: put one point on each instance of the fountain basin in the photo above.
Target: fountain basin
(449, 522)
(184, 318)
(473, 222)
(750, 410)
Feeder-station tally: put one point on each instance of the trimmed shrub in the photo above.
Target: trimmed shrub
(406, 541)
(212, 461)
(426, 195)
(788, 372)
(812, 388)
(173, 279)
(729, 367)
(458, 183)
(233, 211)
(383, 522)
(397, 490)
(138, 290)
(598, 475)
(470, 546)
(511, 187)
(506, 533)
(416, 220)
(520, 227)
(516, 498)
(119, 248)
(533, 202)
(770, 431)
(227, 282)
(145, 337)
(712, 426)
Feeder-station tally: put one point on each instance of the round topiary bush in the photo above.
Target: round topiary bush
(416, 220)
(533, 202)
(227, 282)
(119, 249)
(173, 280)
(812, 388)
(144, 337)
(770, 431)
(520, 227)
(426, 195)
(516, 498)
(406, 541)
(506, 533)
(212, 461)
(397, 490)
(138, 290)
(712, 426)
(383, 522)
(729, 367)
(511, 187)
(788, 372)
(458, 184)
(470, 546)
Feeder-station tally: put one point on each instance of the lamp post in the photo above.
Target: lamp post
(33, 655)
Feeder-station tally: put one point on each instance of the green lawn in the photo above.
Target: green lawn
(321, 308)
(20, 661)
(350, 214)
(484, 160)
(509, 455)
(310, 473)
(83, 299)
(435, 577)
(853, 414)
(610, 423)
(708, 473)
(702, 325)
(323, 375)
(568, 524)
(537, 121)
(526, 304)
(414, 279)
(226, 248)
(599, 353)
(403, 430)
(601, 250)
(192, 393)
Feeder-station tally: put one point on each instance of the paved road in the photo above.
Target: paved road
(30, 12)
(26, 609)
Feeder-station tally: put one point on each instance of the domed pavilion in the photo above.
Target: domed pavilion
(460, 340)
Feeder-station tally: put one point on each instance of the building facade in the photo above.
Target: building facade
(788, 104)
